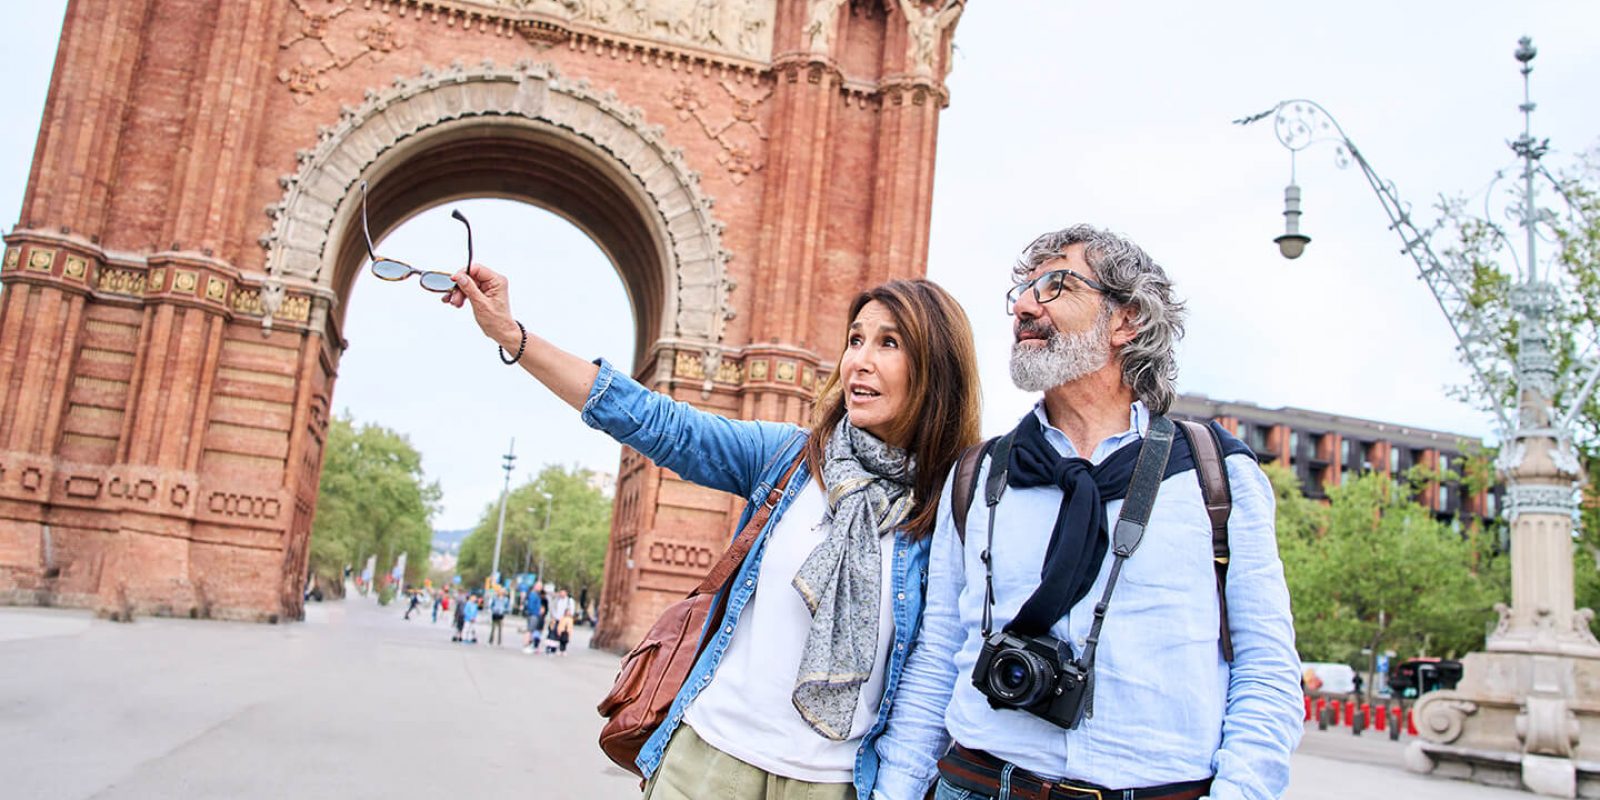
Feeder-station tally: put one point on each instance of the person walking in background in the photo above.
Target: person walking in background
(438, 599)
(469, 616)
(564, 631)
(459, 621)
(535, 623)
(497, 616)
(790, 692)
(414, 604)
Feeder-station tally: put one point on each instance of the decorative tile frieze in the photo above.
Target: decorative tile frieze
(114, 280)
(41, 259)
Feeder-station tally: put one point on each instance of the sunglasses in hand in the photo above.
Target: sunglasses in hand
(391, 270)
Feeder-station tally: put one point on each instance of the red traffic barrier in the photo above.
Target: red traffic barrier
(1350, 713)
(1308, 708)
(1322, 703)
(1381, 718)
(1411, 723)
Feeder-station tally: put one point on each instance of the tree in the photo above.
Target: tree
(372, 501)
(1374, 569)
(573, 547)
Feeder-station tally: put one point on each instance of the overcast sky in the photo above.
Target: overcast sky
(1115, 114)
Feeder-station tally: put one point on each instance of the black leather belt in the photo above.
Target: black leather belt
(977, 771)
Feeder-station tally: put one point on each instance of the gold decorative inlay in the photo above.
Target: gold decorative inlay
(184, 280)
(158, 279)
(808, 377)
(216, 289)
(786, 371)
(295, 308)
(13, 258)
(758, 369)
(688, 365)
(120, 281)
(76, 268)
(246, 301)
(730, 372)
(41, 260)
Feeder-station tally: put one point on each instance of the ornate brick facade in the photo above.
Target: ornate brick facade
(170, 323)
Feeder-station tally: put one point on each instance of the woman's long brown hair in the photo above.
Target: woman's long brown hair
(940, 418)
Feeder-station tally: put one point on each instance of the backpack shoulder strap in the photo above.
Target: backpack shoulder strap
(1212, 474)
(966, 483)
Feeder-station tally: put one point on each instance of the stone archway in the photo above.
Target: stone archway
(674, 268)
(168, 352)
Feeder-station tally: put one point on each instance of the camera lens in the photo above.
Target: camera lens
(1019, 677)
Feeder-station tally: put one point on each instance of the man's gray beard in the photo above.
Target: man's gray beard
(1065, 357)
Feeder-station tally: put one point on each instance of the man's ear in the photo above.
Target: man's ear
(1123, 327)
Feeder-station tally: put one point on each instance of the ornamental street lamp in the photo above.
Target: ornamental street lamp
(1528, 708)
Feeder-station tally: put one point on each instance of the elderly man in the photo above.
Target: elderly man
(1075, 648)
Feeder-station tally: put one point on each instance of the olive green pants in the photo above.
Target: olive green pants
(693, 770)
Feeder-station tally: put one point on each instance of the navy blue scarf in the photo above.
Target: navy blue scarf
(1079, 541)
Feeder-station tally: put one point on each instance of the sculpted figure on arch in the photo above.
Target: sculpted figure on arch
(923, 29)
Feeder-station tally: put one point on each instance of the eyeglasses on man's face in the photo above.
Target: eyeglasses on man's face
(391, 270)
(1050, 285)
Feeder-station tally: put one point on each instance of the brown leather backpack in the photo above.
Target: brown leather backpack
(654, 672)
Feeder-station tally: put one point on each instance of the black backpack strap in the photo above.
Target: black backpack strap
(966, 478)
(1212, 473)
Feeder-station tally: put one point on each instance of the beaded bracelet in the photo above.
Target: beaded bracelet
(520, 348)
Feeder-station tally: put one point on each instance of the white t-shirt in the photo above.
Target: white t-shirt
(748, 709)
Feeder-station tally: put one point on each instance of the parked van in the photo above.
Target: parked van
(1336, 678)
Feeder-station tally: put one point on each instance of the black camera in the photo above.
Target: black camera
(1036, 674)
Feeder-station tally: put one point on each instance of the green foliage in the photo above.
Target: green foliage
(573, 546)
(1373, 553)
(372, 501)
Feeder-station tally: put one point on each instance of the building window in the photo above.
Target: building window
(1444, 497)
(1394, 459)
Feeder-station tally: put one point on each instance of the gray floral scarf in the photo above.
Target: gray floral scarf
(869, 495)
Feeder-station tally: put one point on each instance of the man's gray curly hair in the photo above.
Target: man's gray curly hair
(1149, 364)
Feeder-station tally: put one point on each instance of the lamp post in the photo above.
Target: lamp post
(500, 531)
(1528, 708)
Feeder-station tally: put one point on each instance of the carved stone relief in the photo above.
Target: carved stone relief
(319, 46)
(736, 27)
(736, 129)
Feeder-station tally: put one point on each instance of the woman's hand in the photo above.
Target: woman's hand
(489, 293)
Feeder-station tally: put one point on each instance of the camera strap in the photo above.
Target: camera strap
(1148, 472)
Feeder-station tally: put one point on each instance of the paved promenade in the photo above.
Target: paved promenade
(358, 703)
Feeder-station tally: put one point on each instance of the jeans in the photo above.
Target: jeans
(495, 623)
(943, 790)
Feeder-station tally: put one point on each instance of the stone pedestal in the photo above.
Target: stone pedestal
(1520, 720)
(1527, 712)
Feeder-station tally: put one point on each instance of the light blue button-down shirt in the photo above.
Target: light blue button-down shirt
(1167, 706)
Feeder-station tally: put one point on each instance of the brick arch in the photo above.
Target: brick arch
(546, 119)
(168, 352)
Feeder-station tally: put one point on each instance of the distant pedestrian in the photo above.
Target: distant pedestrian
(438, 600)
(459, 621)
(469, 611)
(497, 615)
(416, 601)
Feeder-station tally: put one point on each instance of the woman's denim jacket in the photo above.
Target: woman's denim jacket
(745, 458)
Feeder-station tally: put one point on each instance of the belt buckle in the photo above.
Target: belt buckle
(1082, 790)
